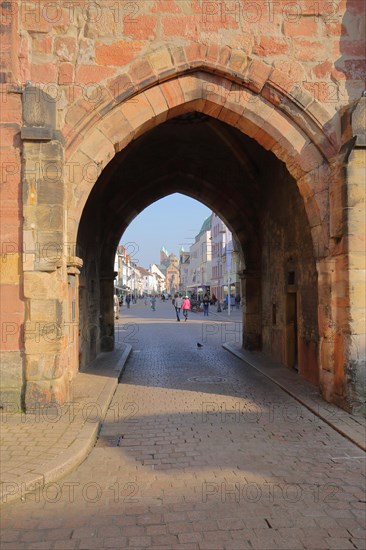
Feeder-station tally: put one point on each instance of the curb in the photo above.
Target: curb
(84, 442)
(292, 394)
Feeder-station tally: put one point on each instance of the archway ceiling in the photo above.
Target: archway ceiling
(195, 155)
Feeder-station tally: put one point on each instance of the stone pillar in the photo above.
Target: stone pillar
(356, 231)
(44, 262)
(73, 271)
(106, 313)
(252, 325)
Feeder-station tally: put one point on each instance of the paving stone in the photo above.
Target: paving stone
(239, 488)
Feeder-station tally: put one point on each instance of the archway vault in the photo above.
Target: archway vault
(248, 94)
(245, 94)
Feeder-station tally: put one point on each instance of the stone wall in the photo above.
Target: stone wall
(85, 59)
(289, 277)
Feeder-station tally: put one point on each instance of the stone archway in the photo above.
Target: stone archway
(246, 94)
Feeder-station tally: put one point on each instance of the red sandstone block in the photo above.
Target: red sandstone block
(65, 47)
(9, 136)
(309, 50)
(323, 70)
(305, 26)
(44, 73)
(42, 43)
(336, 29)
(82, 110)
(173, 93)
(65, 73)
(11, 302)
(33, 17)
(223, 55)
(142, 73)
(238, 61)
(118, 53)
(185, 25)
(157, 102)
(178, 57)
(138, 111)
(195, 54)
(142, 27)
(166, 6)
(11, 106)
(257, 75)
(87, 74)
(270, 45)
(122, 87)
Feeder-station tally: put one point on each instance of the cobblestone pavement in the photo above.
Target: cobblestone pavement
(198, 451)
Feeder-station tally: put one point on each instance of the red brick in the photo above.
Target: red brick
(306, 26)
(238, 61)
(66, 73)
(308, 50)
(323, 70)
(166, 6)
(186, 25)
(172, 93)
(9, 135)
(87, 74)
(142, 27)
(122, 87)
(11, 106)
(195, 54)
(118, 53)
(42, 43)
(32, 19)
(270, 45)
(138, 111)
(44, 73)
(257, 75)
(335, 28)
(142, 73)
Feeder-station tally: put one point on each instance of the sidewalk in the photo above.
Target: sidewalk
(351, 426)
(44, 445)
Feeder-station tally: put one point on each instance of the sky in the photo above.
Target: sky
(172, 222)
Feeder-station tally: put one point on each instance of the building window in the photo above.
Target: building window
(291, 278)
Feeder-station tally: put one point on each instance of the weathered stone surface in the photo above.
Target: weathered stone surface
(11, 370)
(10, 269)
(307, 69)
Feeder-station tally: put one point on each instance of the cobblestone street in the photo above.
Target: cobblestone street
(198, 451)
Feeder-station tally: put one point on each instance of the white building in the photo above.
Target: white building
(159, 277)
(199, 279)
(218, 243)
(149, 282)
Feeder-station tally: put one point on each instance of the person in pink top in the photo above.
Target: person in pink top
(186, 306)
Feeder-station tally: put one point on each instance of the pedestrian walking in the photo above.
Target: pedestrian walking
(186, 306)
(153, 302)
(128, 301)
(177, 304)
(237, 301)
(206, 303)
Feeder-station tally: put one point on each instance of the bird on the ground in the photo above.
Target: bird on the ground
(199, 345)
